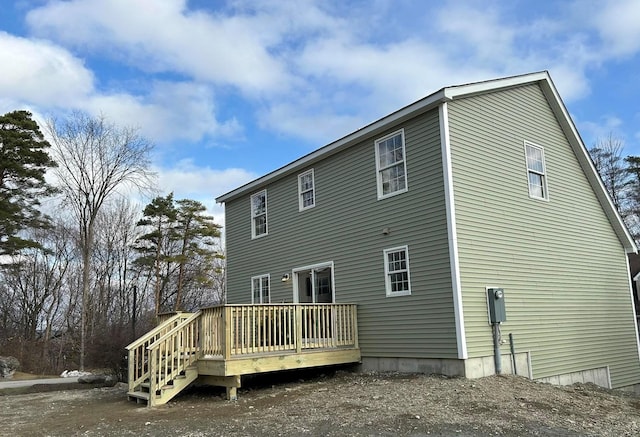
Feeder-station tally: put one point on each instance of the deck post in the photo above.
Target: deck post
(298, 326)
(153, 377)
(354, 312)
(132, 365)
(226, 340)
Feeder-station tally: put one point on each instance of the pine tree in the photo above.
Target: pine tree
(23, 163)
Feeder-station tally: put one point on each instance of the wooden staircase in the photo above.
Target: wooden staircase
(162, 363)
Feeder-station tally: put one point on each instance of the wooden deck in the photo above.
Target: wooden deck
(218, 345)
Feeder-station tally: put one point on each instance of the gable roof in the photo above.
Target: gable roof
(451, 93)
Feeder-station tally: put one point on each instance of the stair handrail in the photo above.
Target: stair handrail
(156, 330)
(137, 356)
(180, 346)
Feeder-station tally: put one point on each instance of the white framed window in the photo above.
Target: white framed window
(306, 190)
(259, 214)
(260, 289)
(536, 171)
(391, 164)
(396, 271)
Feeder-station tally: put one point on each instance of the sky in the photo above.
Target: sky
(230, 90)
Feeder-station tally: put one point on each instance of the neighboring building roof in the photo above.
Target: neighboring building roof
(453, 93)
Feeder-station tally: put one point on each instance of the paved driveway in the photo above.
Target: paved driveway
(9, 383)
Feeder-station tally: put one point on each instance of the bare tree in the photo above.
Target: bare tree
(608, 160)
(95, 159)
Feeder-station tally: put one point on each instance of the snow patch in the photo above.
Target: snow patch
(73, 374)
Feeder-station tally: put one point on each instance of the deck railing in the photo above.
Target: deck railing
(139, 358)
(171, 354)
(235, 330)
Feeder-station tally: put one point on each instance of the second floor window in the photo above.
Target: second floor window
(390, 165)
(259, 214)
(536, 172)
(306, 190)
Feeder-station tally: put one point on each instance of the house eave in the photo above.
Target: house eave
(410, 111)
(449, 94)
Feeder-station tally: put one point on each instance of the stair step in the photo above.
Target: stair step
(138, 396)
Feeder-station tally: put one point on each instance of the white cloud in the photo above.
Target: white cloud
(164, 36)
(204, 184)
(39, 72)
(618, 22)
(169, 112)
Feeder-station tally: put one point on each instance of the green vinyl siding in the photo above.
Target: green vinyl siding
(559, 261)
(346, 226)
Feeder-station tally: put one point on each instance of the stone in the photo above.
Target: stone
(109, 380)
(8, 366)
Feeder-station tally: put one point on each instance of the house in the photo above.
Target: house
(418, 217)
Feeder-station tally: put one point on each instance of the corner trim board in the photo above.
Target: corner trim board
(451, 230)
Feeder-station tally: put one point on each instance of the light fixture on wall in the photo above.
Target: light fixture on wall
(285, 277)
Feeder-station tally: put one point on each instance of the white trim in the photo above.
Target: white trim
(470, 89)
(387, 279)
(633, 305)
(454, 261)
(446, 94)
(374, 128)
(570, 131)
(266, 275)
(381, 195)
(266, 215)
(544, 174)
(313, 267)
(300, 192)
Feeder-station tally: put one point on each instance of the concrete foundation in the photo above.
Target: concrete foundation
(427, 366)
(485, 366)
(599, 376)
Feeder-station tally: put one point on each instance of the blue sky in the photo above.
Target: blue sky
(230, 90)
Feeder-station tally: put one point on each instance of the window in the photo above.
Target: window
(259, 214)
(536, 172)
(396, 270)
(306, 191)
(390, 164)
(260, 289)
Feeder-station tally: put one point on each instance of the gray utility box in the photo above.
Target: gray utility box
(495, 299)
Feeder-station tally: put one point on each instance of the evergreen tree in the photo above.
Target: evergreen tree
(154, 247)
(197, 233)
(23, 163)
(179, 250)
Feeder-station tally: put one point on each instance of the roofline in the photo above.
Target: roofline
(409, 111)
(422, 105)
(452, 93)
(585, 161)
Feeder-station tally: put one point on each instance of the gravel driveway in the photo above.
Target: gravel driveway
(336, 404)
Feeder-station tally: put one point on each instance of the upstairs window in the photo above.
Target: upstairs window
(390, 165)
(536, 172)
(259, 214)
(260, 289)
(396, 271)
(306, 190)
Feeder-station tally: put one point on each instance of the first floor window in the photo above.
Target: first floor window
(391, 165)
(259, 214)
(536, 171)
(396, 270)
(260, 289)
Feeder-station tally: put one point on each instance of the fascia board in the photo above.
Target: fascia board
(405, 113)
(471, 89)
(558, 107)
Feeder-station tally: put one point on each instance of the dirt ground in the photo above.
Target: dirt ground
(335, 403)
